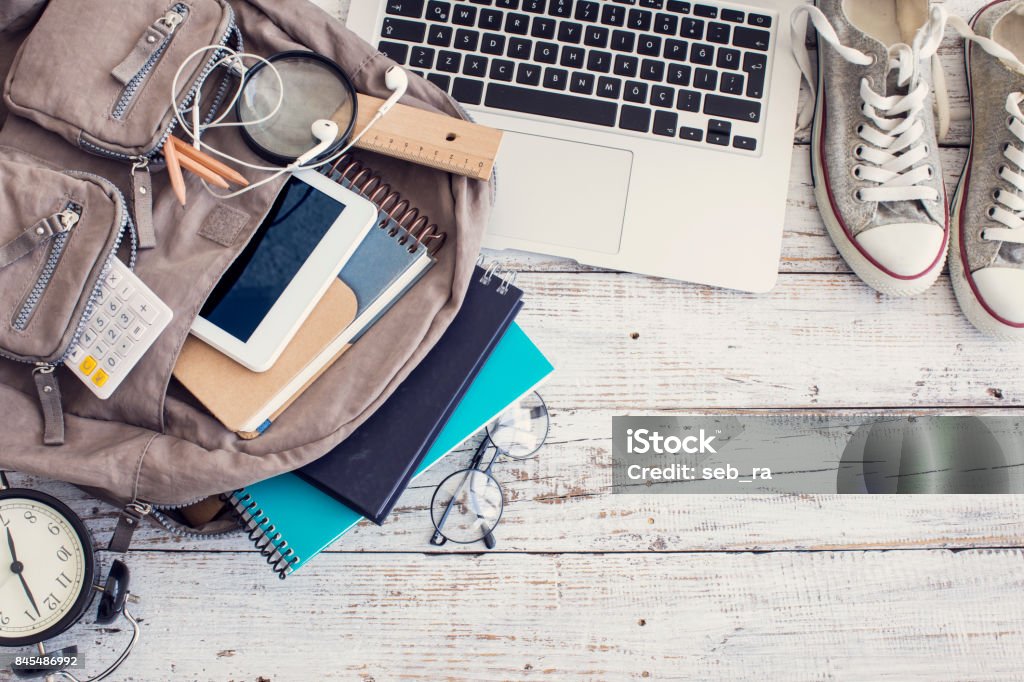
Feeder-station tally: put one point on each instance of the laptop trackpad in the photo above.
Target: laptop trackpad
(540, 183)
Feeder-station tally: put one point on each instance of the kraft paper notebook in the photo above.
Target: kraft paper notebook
(389, 260)
(291, 521)
(372, 467)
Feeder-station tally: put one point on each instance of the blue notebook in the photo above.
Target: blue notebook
(291, 521)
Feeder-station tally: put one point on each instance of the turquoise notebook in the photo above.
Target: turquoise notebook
(291, 521)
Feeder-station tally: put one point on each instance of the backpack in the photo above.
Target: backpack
(151, 445)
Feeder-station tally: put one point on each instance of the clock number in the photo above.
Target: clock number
(30, 616)
(63, 554)
(63, 580)
(4, 620)
(53, 528)
(51, 602)
(30, 517)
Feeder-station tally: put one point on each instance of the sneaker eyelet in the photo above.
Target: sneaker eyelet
(1006, 147)
(859, 129)
(991, 211)
(858, 196)
(931, 171)
(858, 152)
(927, 150)
(981, 235)
(855, 171)
(996, 194)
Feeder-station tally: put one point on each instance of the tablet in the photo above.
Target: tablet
(261, 302)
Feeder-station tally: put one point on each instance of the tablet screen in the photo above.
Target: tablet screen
(291, 232)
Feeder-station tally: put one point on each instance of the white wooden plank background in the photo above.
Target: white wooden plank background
(586, 585)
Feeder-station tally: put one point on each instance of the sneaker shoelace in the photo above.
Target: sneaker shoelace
(1008, 208)
(892, 155)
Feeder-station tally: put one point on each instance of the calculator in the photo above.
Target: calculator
(126, 321)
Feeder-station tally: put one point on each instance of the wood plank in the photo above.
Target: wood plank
(933, 615)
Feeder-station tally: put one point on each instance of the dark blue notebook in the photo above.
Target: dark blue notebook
(373, 466)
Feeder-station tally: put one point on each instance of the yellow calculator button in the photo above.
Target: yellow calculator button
(88, 365)
(100, 378)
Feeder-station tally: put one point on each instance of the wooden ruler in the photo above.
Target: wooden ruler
(430, 139)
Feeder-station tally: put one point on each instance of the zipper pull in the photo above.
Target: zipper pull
(50, 400)
(142, 203)
(130, 519)
(149, 44)
(27, 241)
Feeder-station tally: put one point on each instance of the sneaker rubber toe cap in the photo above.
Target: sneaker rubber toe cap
(1002, 291)
(904, 249)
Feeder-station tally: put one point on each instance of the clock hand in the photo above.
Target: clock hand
(10, 543)
(28, 592)
(17, 567)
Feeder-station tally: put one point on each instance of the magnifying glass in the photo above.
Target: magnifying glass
(314, 88)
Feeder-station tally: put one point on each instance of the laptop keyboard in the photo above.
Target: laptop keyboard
(692, 73)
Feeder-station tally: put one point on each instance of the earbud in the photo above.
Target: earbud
(324, 130)
(396, 80)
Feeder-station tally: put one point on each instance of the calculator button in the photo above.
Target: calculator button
(138, 330)
(100, 378)
(144, 308)
(125, 347)
(76, 355)
(112, 306)
(125, 319)
(99, 351)
(126, 291)
(88, 365)
(89, 337)
(111, 336)
(101, 322)
(114, 278)
(111, 362)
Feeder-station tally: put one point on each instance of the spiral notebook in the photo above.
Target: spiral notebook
(290, 520)
(392, 257)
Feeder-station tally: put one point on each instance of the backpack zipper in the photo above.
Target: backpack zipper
(173, 18)
(67, 218)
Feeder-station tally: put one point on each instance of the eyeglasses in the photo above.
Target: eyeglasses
(468, 505)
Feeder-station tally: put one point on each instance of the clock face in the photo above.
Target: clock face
(46, 567)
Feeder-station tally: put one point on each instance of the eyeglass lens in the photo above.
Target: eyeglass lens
(467, 506)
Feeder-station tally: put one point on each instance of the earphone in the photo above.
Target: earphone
(325, 131)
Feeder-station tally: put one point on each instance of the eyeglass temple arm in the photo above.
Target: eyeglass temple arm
(438, 538)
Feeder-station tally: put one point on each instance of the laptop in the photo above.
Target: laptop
(651, 136)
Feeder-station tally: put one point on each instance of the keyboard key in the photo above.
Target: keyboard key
(730, 107)
(492, 43)
(652, 70)
(613, 15)
(468, 91)
(665, 123)
(422, 57)
(394, 51)
(663, 97)
(754, 64)
(405, 8)
(583, 83)
(718, 126)
(475, 66)
(601, 62)
(623, 41)
(520, 48)
(716, 138)
(691, 28)
(587, 10)
(609, 87)
(679, 74)
(626, 66)
(666, 24)
(507, 4)
(748, 143)
(733, 15)
(519, 24)
(502, 70)
(718, 33)
(679, 7)
(688, 100)
(702, 54)
(528, 74)
(635, 91)
(464, 15)
(466, 40)
(441, 36)
(560, 8)
(449, 62)
(759, 20)
(570, 32)
(675, 50)
(534, 6)
(635, 118)
(705, 11)
(649, 45)
(543, 28)
(692, 134)
(555, 105)
(728, 59)
(640, 20)
(572, 57)
(440, 80)
(752, 38)
(490, 19)
(732, 84)
(556, 79)
(653, 4)
(705, 79)
(596, 36)
(545, 53)
(404, 30)
(438, 11)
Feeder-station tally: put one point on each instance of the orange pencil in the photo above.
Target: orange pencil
(203, 172)
(174, 170)
(185, 149)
